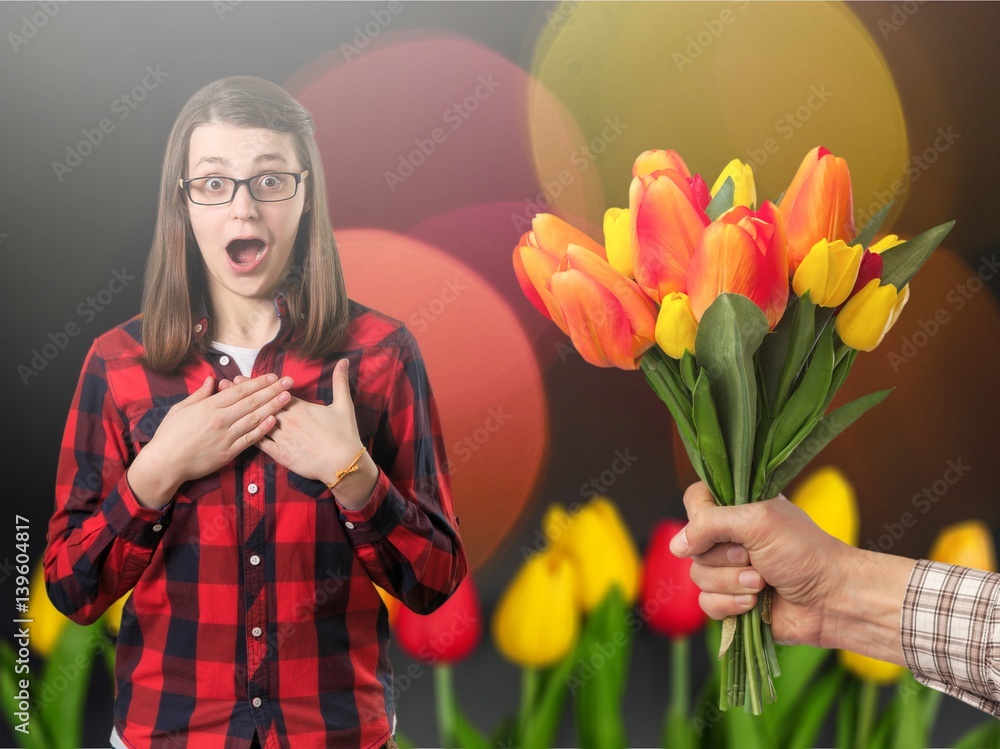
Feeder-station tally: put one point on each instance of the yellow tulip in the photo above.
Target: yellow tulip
(870, 669)
(828, 272)
(49, 622)
(870, 314)
(885, 243)
(113, 616)
(618, 240)
(676, 327)
(536, 621)
(829, 499)
(742, 174)
(967, 544)
(596, 540)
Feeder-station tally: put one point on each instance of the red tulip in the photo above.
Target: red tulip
(818, 204)
(448, 634)
(668, 219)
(538, 254)
(668, 598)
(743, 252)
(612, 323)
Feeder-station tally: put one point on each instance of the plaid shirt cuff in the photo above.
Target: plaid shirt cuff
(377, 517)
(130, 520)
(951, 632)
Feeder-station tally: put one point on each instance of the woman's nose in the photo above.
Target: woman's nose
(243, 206)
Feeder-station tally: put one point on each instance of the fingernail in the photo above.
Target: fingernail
(679, 544)
(737, 555)
(744, 600)
(749, 579)
(284, 397)
(271, 378)
(286, 382)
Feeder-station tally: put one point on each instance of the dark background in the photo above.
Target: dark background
(60, 242)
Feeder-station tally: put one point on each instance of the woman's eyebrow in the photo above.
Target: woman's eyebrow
(225, 162)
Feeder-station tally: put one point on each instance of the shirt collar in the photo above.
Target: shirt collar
(280, 309)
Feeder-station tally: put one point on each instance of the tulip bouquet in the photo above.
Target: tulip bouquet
(745, 320)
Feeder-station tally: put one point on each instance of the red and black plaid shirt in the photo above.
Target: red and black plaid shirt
(252, 603)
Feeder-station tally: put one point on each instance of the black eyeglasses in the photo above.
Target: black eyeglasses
(270, 187)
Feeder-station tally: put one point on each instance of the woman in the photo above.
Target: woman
(248, 456)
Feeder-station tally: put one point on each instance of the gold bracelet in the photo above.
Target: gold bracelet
(349, 470)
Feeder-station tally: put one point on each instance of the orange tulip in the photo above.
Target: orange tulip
(818, 204)
(743, 252)
(538, 254)
(668, 219)
(610, 320)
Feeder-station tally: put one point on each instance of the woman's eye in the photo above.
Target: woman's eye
(270, 181)
(214, 184)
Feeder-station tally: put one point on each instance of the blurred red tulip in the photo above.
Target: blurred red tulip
(448, 634)
(668, 598)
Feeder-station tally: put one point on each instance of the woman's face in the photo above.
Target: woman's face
(246, 246)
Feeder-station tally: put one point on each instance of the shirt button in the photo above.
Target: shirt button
(256, 702)
(256, 631)
(349, 525)
(252, 488)
(223, 360)
(157, 527)
(197, 328)
(254, 560)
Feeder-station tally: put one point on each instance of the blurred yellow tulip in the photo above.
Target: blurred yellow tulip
(599, 544)
(676, 327)
(536, 621)
(828, 272)
(829, 499)
(113, 616)
(870, 669)
(968, 544)
(618, 240)
(391, 604)
(49, 622)
(745, 192)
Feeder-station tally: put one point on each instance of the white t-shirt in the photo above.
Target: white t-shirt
(245, 357)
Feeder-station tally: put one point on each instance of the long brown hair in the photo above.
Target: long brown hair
(175, 280)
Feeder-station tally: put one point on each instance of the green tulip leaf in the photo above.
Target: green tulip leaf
(36, 737)
(800, 334)
(64, 716)
(799, 666)
(402, 742)
(847, 713)
(730, 332)
(826, 429)
(871, 228)
(467, 735)
(808, 398)
(901, 263)
(812, 710)
(689, 371)
(711, 445)
(722, 201)
(664, 378)
(541, 732)
(985, 734)
(745, 730)
(600, 695)
(678, 733)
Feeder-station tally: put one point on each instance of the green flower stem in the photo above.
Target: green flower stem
(444, 703)
(750, 657)
(866, 713)
(680, 682)
(529, 692)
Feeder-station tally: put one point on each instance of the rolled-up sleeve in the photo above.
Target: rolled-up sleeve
(406, 534)
(950, 632)
(100, 539)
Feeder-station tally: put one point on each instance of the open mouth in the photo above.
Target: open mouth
(245, 251)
